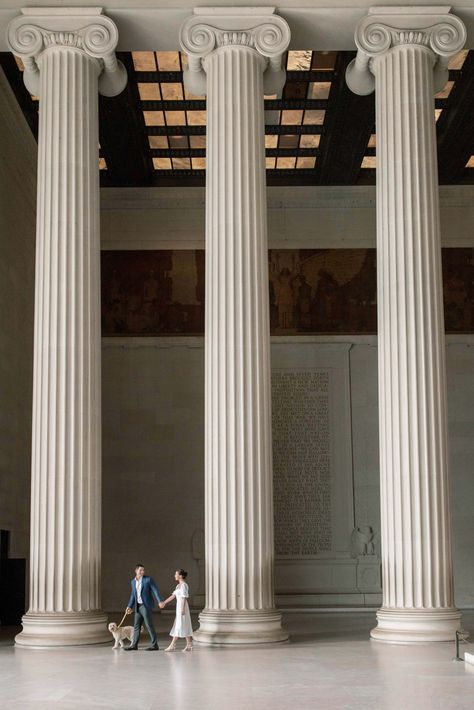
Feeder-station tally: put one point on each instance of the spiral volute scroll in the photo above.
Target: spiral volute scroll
(24, 39)
(100, 39)
(271, 39)
(373, 37)
(198, 39)
(448, 38)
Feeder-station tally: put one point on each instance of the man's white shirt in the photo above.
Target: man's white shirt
(138, 586)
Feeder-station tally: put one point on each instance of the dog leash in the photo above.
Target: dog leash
(123, 619)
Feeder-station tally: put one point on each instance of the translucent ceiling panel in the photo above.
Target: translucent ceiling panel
(314, 117)
(289, 141)
(172, 92)
(324, 61)
(162, 163)
(149, 92)
(310, 141)
(197, 141)
(291, 118)
(154, 118)
(168, 61)
(144, 61)
(299, 60)
(196, 118)
(181, 164)
(160, 142)
(180, 142)
(175, 118)
(285, 163)
(305, 163)
(319, 89)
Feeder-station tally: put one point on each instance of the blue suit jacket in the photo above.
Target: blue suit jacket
(149, 589)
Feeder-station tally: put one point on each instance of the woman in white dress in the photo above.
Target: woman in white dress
(182, 627)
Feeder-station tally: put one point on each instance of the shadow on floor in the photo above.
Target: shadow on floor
(7, 635)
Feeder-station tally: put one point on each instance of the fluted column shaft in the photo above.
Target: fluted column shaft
(417, 564)
(418, 603)
(239, 537)
(66, 447)
(66, 391)
(238, 449)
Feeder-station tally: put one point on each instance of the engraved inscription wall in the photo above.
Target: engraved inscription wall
(301, 461)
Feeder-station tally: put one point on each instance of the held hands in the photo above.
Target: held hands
(162, 605)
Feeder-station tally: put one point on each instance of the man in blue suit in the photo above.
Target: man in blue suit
(141, 602)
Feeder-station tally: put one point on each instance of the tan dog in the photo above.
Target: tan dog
(120, 633)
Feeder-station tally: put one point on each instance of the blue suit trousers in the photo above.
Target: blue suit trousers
(143, 615)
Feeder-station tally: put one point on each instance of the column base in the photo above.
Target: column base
(50, 629)
(225, 628)
(416, 625)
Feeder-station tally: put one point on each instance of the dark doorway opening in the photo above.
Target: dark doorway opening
(12, 584)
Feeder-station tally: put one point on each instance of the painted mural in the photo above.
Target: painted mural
(311, 291)
(152, 292)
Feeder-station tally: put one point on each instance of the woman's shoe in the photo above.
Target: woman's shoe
(188, 648)
(171, 647)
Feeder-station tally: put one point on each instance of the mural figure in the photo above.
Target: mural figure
(284, 280)
(455, 300)
(327, 302)
(116, 304)
(150, 302)
(284, 298)
(273, 306)
(303, 304)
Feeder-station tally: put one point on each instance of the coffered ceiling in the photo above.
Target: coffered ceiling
(317, 132)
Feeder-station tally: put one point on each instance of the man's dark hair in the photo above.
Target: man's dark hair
(139, 565)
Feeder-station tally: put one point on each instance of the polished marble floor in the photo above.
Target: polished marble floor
(329, 664)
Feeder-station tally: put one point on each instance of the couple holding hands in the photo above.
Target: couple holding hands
(142, 602)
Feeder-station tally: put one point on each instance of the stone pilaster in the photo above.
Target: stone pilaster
(403, 53)
(68, 55)
(232, 55)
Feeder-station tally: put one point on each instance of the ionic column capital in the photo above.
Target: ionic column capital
(87, 30)
(211, 29)
(385, 28)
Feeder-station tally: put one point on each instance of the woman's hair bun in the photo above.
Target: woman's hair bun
(183, 573)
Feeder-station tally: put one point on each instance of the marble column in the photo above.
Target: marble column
(403, 53)
(234, 57)
(68, 57)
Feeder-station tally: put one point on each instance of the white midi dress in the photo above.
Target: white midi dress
(182, 625)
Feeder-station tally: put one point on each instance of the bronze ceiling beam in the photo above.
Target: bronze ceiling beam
(455, 127)
(348, 125)
(122, 134)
